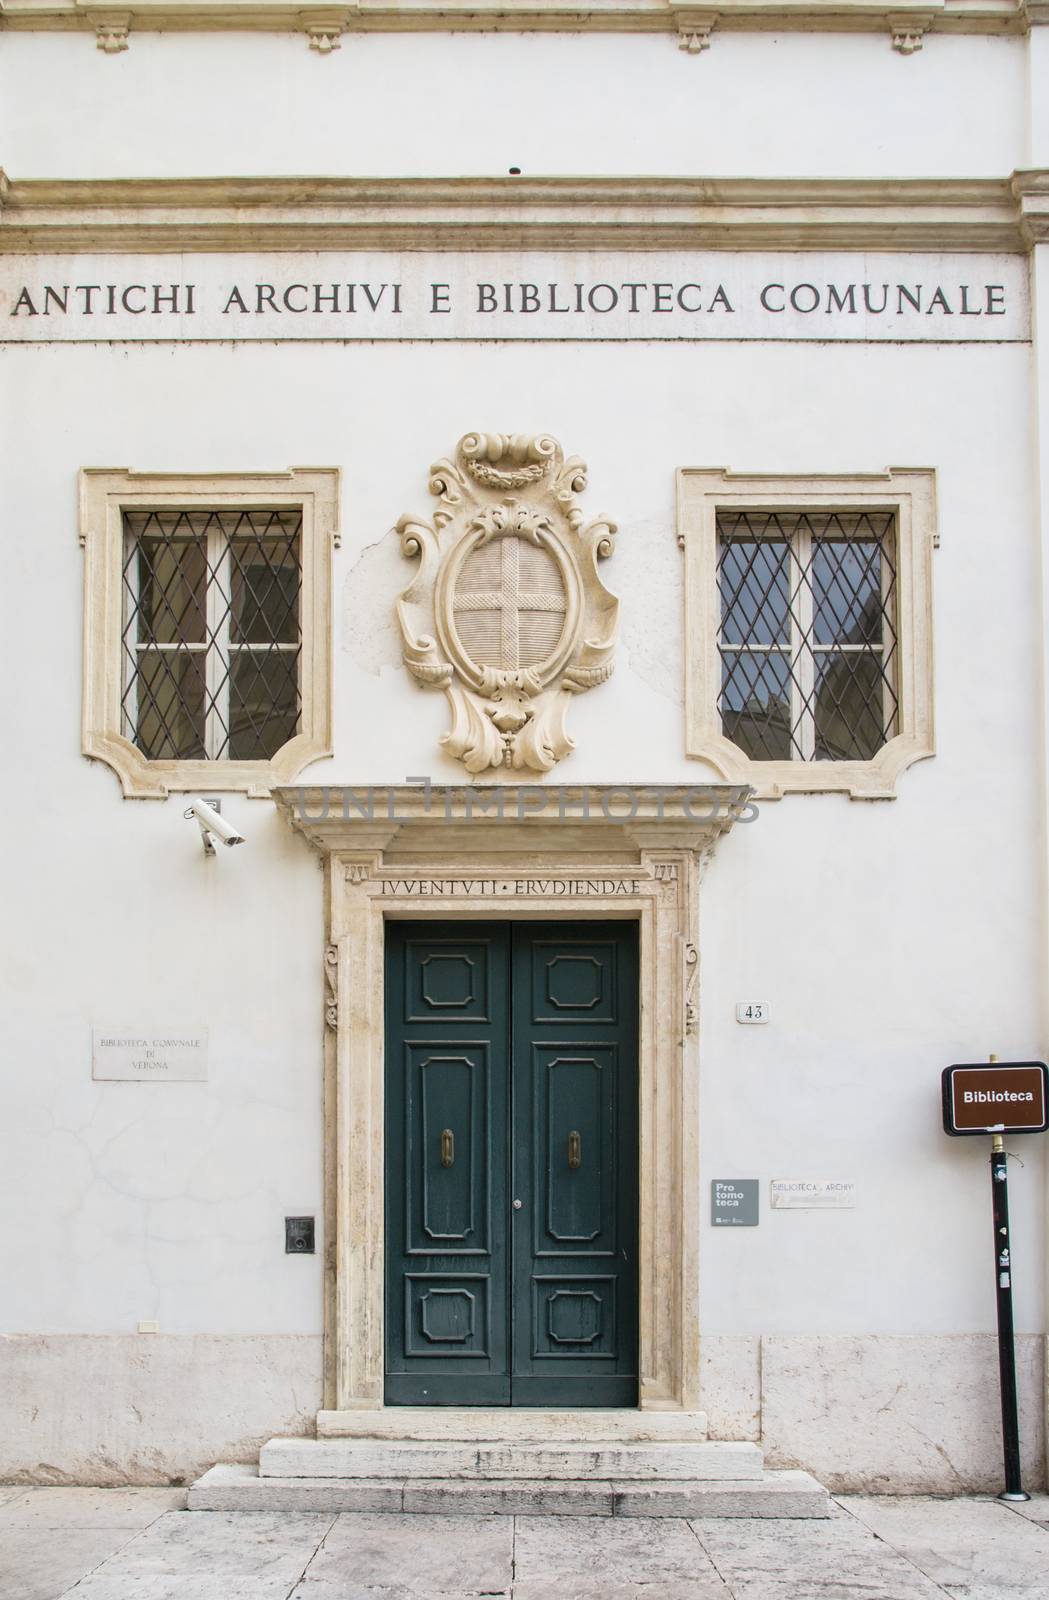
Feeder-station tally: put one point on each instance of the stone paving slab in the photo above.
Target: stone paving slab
(91, 1508)
(43, 1563)
(421, 1555)
(339, 1589)
(236, 1544)
(582, 1551)
(581, 1589)
(824, 1559)
(13, 1491)
(975, 1549)
(51, 1537)
(106, 1584)
(1035, 1510)
(78, 1544)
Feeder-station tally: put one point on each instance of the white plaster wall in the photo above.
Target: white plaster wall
(889, 938)
(758, 105)
(1038, 97)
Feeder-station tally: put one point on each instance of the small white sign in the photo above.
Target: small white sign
(133, 1055)
(812, 1194)
(752, 1011)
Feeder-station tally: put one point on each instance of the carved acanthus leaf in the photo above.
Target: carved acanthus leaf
(419, 648)
(691, 955)
(331, 986)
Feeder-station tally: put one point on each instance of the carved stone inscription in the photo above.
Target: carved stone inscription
(503, 888)
(507, 613)
(136, 1055)
(529, 295)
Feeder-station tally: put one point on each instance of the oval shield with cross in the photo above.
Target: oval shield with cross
(507, 612)
(510, 607)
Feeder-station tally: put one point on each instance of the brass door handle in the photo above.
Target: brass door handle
(447, 1147)
(575, 1150)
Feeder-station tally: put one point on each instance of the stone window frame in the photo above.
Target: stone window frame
(105, 494)
(910, 493)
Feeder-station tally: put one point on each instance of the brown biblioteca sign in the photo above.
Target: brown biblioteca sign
(1006, 1097)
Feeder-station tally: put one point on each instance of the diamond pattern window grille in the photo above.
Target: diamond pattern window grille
(211, 636)
(808, 639)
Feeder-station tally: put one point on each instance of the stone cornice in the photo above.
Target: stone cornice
(510, 818)
(1032, 193)
(325, 24)
(40, 216)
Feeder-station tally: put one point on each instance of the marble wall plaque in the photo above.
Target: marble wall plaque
(530, 295)
(135, 1055)
(812, 1194)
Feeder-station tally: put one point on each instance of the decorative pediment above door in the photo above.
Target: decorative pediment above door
(507, 613)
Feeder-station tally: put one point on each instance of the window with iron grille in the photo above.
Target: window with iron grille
(808, 637)
(808, 627)
(211, 632)
(207, 626)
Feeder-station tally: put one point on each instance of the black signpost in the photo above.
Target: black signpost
(999, 1098)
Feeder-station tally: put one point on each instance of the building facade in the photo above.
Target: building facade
(573, 487)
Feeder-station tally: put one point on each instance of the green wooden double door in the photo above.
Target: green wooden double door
(511, 1164)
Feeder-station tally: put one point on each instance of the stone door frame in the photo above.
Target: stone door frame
(416, 853)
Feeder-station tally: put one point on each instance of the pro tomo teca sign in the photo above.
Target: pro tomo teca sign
(1001, 1096)
(734, 1202)
(858, 296)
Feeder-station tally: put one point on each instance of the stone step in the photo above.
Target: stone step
(773, 1494)
(504, 1424)
(456, 1458)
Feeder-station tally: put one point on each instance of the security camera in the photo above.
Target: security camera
(213, 825)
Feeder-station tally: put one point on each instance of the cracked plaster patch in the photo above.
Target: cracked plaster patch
(369, 627)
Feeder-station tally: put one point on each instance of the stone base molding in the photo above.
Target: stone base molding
(877, 1413)
(559, 213)
(866, 1413)
(630, 853)
(113, 1409)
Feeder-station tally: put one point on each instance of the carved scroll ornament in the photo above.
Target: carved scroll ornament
(507, 613)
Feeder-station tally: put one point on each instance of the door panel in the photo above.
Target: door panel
(447, 1102)
(511, 1077)
(574, 1116)
(446, 1124)
(574, 1164)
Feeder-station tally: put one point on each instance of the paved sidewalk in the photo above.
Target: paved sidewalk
(138, 1544)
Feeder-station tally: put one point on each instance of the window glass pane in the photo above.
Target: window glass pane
(755, 703)
(206, 585)
(164, 579)
(854, 704)
(753, 579)
(264, 703)
(168, 687)
(265, 575)
(849, 606)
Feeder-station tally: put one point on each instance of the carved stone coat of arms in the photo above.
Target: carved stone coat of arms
(507, 613)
